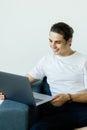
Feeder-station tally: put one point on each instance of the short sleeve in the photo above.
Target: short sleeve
(38, 71)
(85, 74)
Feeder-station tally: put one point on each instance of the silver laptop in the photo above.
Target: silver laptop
(17, 88)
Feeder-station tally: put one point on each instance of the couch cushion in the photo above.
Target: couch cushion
(13, 115)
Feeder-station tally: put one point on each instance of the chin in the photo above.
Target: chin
(56, 53)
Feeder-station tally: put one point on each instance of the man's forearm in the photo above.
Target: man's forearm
(31, 79)
(80, 97)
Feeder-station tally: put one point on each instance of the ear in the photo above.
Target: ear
(70, 41)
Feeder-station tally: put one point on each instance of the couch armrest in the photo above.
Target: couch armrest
(13, 115)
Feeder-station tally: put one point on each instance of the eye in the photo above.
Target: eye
(58, 42)
(50, 40)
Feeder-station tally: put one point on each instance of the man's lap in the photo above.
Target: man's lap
(69, 116)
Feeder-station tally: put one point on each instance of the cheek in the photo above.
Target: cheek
(50, 45)
(59, 46)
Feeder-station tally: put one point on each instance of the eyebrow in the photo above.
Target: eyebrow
(55, 41)
(50, 39)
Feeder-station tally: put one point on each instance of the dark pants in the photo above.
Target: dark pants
(69, 116)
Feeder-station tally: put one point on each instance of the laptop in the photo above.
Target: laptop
(17, 88)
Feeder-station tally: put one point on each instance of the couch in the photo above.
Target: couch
(18, 116)
(15, 115)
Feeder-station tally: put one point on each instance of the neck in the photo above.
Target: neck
(68, 53)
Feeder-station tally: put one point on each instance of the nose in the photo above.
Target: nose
(52, 44)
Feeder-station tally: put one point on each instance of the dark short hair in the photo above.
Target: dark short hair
(63, 29)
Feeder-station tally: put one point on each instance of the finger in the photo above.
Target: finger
(0, 93)
(56, 99)
(2, 97)
(56, 96)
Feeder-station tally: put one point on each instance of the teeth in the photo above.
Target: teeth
(55, 50)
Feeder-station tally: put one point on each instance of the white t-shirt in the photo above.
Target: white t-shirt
(64, 74)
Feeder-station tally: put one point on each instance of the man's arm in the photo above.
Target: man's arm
(80, 97)
(60, 99)
(31, 79)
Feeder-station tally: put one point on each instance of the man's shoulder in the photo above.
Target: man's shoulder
(48, 57)
(81, 59)
(82, 55)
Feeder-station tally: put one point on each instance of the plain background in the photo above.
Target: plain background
(25, 25)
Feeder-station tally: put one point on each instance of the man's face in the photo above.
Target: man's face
(58, 44)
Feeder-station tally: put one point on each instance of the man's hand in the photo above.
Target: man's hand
(60, 99)
(2, 97)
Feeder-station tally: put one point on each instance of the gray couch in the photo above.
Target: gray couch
(15, 115)
(19, 116)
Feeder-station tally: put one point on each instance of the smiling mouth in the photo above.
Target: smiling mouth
(56, 50)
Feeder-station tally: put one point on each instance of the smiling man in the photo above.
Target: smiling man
(59, 45)
(66, 72)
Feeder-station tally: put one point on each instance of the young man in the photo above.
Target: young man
(66, 72)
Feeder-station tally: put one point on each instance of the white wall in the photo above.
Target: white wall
(24, 30)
